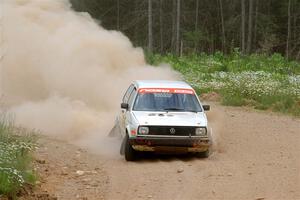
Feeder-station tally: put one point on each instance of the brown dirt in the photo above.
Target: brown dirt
(257, 157)
(211, 96)
(68, 172)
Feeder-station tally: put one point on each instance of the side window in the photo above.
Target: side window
(131, 97)
(127, 94)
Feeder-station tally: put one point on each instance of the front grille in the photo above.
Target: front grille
(172, 130)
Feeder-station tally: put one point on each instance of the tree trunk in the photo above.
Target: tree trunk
(211, 46)
(223, 27)
(243, 16)
(136, 27)
(196, 23)
(181, 48)
(173, 40)
(269, 7)
(161, 26)
(178, 28)
(255, 23)
(150, 33)
(250, 23)
(118, 14)
(288, 31)
(294, 32)
(295, 27)
(197, 15)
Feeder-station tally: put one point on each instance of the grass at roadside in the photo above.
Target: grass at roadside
(16, 146)
(261, 81)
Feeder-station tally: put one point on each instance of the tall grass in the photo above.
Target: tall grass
(262, 81)
(16, 145)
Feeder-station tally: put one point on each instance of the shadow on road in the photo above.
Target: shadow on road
(144, 157)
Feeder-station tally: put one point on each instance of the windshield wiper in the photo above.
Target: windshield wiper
(173, 109)
(194, 111)
(180, 109)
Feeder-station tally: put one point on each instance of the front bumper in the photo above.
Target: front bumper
(170, 144)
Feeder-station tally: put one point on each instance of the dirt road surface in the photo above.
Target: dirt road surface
(257, 157)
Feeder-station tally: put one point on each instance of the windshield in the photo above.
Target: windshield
(161, 101)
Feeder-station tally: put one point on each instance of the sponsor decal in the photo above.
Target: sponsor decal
(166, 90)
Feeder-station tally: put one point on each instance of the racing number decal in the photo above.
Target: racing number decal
(166, 90)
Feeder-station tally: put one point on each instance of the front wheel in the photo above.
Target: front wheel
(130, 153)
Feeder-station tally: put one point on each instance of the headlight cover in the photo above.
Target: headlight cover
(201, 131)
(143, 130)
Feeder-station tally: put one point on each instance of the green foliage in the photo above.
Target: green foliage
(200, 24)
(16, 145)
(195, 37)
(262, 81)
(232, 100)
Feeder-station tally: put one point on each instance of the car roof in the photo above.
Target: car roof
(161, 84)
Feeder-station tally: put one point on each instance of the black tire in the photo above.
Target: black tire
(130, 153)
(204, 154)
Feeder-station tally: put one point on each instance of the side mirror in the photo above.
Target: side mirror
(206, 107)
(124, 106)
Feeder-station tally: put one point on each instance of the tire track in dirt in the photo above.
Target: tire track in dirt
(257, 157)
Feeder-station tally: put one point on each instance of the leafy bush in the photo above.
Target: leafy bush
(16, 145)
(265, 82)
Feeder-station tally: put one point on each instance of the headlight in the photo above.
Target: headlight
(201, 131)
(143, 130)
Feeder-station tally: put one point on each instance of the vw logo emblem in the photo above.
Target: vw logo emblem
(172, 130)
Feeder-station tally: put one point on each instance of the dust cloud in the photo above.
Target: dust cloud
(64, 74)
(216, 118)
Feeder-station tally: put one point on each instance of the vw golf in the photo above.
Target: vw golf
(163, 116)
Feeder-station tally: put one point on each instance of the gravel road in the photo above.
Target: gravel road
(257, 156)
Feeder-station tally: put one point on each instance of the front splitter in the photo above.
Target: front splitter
(170, 148)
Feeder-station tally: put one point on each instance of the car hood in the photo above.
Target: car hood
(170, 118)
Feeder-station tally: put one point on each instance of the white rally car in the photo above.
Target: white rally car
(163, 116)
